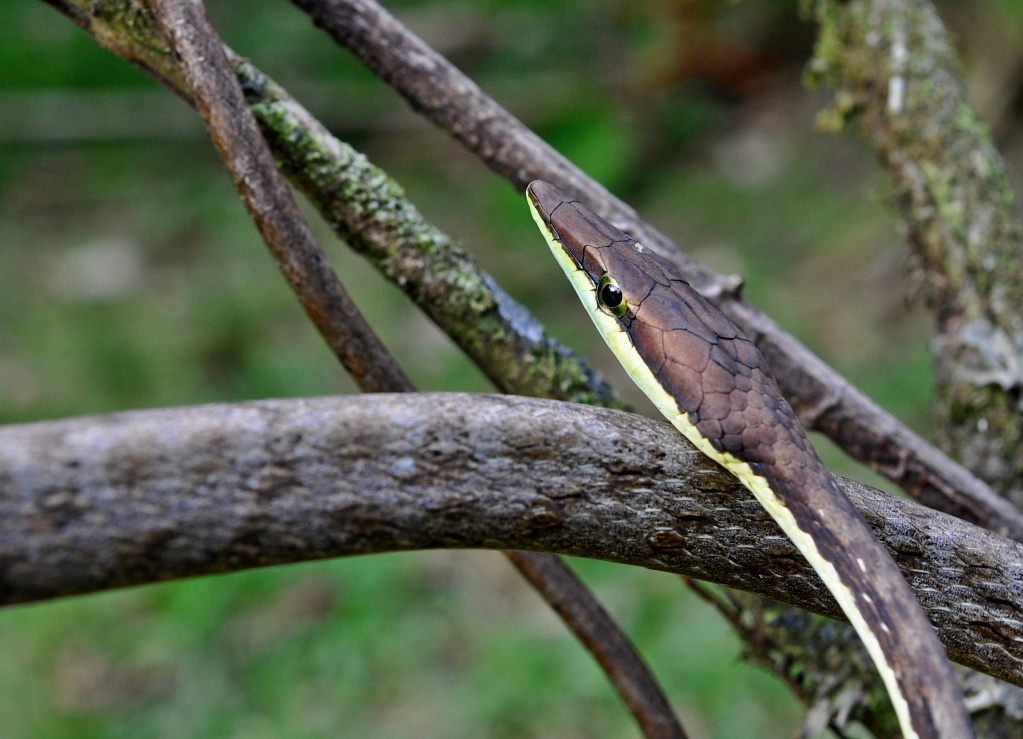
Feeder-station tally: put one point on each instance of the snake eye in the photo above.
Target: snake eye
(610, 297)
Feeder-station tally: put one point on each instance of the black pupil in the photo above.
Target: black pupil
(611, 296)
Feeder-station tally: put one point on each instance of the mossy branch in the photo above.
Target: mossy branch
(369, 210)
(897, 81)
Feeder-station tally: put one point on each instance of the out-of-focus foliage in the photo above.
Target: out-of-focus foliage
(130, 276)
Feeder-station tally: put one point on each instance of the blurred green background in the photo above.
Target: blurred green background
(131, 277)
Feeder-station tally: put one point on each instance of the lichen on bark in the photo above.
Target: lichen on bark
(896, 80)
(368, 209)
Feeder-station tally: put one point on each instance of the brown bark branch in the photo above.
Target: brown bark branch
(232, 127)
(824, 400)
(102, 502)
(267, 197)
(595, 628)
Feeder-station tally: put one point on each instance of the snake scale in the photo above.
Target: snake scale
(707, 378)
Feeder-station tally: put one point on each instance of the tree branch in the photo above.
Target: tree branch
(110, 501)
(436, 89)
(230, 123)
(821, 397)
(609, 645)
(369, 210)
(267, 197)
(904, 92)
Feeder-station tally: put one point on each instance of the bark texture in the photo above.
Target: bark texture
(109, 501)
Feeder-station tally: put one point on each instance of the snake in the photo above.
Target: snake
(711, 382)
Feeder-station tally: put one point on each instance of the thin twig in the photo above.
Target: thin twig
(108, 501)
(220, 99)
(721, 604)
(824, 400)
(266, 196)
(595, 628)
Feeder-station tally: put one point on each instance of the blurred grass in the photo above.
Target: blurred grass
(130, 277)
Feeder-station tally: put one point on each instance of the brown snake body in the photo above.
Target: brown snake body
(711, 382)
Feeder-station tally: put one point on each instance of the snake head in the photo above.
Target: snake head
(594, 252)
(573, 226)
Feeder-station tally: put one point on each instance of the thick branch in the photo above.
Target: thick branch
(96, 503)
(824, 400)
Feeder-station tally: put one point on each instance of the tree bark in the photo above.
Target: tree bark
(109, 501)
(897, 81)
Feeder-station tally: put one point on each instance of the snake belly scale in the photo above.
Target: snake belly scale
(710, 381)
